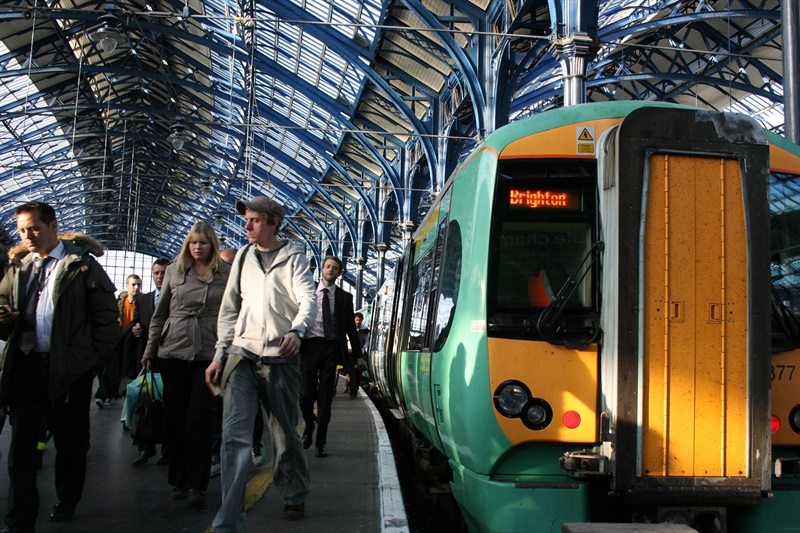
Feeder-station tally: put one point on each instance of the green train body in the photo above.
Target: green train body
(580, 328)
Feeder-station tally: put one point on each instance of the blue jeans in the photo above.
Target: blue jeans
(278, 387)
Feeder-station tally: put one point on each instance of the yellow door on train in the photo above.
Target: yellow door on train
(695, 379)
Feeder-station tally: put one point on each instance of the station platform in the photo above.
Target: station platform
(354, 489)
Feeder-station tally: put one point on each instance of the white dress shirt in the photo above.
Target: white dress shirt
(44, 309)
(316, 329)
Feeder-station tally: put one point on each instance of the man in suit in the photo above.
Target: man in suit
(145, 307)
(59, 318)
(326, 346)
(124, 358)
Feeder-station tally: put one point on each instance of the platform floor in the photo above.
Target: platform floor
(355, 489)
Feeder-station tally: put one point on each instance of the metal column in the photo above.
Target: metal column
(790, 13)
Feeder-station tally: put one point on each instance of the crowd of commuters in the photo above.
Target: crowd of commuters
(242, 341)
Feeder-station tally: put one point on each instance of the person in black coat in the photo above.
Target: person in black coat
(145, 307)
(324, 347)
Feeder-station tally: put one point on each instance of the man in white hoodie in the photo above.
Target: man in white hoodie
(268, 305)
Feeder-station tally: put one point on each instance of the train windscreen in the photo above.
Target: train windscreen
(544, 227)
(785, 258)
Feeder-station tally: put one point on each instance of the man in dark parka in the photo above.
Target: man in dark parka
(52, 354)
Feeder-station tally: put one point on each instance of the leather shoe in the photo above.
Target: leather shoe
(307, 441)
(62, 511)
(294, 511)
(196, 499)
(144, 455)
(320, 452)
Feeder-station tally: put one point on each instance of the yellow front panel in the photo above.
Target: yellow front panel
(566, 378)
(695, 336)
(557, 142)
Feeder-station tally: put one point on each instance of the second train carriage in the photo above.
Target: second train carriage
(580, 329)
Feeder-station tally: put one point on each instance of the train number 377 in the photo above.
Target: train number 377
(781, 372)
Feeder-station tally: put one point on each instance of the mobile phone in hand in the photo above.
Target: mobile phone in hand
(214, 388)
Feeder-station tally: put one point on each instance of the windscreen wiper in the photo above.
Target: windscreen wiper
(554, 310)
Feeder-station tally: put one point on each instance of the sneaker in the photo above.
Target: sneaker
(108, 401)
(99, 403)
(215, 469)
(179, 493)
(257, 453)
(294, 512)
(196, 499)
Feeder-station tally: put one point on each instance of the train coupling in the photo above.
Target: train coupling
(787, 466)
(586, 462)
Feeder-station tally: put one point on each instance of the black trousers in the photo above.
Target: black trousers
(191, 411)
(67, 418)
(354, 375)
(318, 360)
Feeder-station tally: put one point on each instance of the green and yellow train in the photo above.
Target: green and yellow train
(581, 328)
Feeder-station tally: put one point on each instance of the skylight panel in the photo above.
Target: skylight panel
(320, 10)
(613, 11)
(343, 13)
(38, 130)
(286, 61)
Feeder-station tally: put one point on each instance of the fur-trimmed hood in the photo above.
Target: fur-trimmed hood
(18, 251)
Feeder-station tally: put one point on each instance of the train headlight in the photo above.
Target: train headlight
(510, 398)
(794, 419)
(538, 414)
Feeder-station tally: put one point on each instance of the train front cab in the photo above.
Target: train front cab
(784, 497)
(672, 401)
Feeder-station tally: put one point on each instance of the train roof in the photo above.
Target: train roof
(554, 118)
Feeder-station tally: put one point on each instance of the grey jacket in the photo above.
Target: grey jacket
(184, 325)
(259, 308)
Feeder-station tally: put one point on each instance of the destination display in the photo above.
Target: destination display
(544, 199)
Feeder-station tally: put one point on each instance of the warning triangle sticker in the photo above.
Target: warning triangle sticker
(585, 135)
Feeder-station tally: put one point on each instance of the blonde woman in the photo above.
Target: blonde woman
(183, 332)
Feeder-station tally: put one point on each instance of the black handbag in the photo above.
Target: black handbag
(150, 424)
(150, 418)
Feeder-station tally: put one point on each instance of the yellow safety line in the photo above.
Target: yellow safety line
(257, 486)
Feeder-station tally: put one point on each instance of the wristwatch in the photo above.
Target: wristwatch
(297, 332)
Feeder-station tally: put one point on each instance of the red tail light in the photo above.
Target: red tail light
(571, 419)
(775, 423)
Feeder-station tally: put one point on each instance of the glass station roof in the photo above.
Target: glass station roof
(352, 113)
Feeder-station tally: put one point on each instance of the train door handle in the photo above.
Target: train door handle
(715, 313)
(676, 310)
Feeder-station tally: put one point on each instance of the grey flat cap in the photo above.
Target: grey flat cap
(262, 204)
